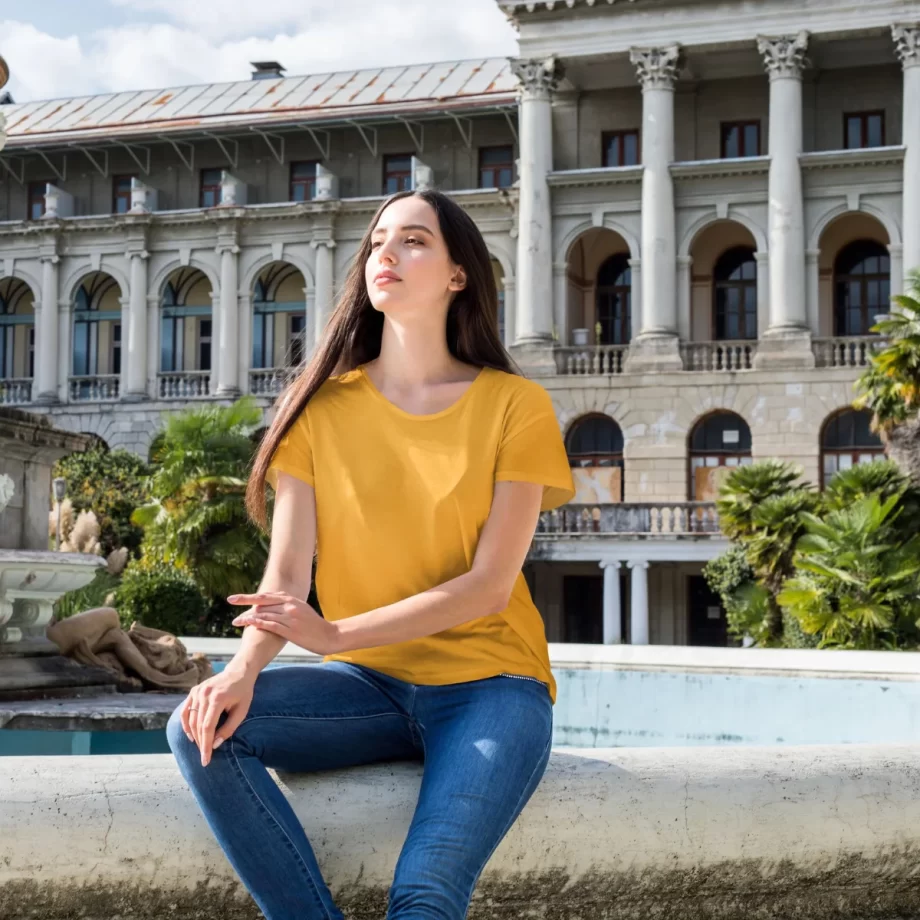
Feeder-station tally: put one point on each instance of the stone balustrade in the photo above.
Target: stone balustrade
(728, 356)
(97, 388)
(651, 518)
(15, 391)
(826, 832)
(849, 351)
(591, 359)
(270, 381)
(184, 385)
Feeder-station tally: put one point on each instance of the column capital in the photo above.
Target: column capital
(320, 241)
(812, 256)
(657, 67)
(907, 43)
(53, 258)
(784, 55)
(137, 254)
(638, 564)
(539, 77)
(230, 247)
(895, 249)
(684, 261)
(610, 563)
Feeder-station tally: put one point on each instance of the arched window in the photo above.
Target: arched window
(614, 300)
(96, 332)
(17, 331)
(278, 317)
(847, 439)
(719, 440)
(182, 324)
(862, 287)
(592, 442)
(735, 295)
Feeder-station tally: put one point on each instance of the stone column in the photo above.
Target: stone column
(812, 291)
(635, 266)
(612, 633)
(324, 302)
(510, 314)
(638, 603)
(787, 341)
(763, 291)
(907, 43)
(896, 255)
(656, 347)
(534, 321)
(684, 318)
(561, 331)
(228, 359)
(47, 365)
(134, 356)
(245, 341)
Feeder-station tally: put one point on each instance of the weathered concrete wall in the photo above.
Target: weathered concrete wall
(809, 832)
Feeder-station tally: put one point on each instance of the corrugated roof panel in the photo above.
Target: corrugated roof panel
(429, 87)
(402, 87)
(170, 104)
(349, 86)
(219, 104)
(310, 92)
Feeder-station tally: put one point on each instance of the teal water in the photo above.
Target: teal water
(606, 707)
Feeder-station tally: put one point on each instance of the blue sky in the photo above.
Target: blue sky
(72, 47)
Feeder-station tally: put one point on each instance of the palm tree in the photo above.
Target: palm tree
(890, 387)
(745, 488)
(197, 517)
(857, 585)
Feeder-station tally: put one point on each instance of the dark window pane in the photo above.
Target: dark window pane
(731, 146)
(752, 140)
(875, 135)
(631, 150)
(854, 132)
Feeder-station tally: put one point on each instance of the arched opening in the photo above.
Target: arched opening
(613, 300)
(862, 287)
(723, 284)
(734, 300)
(96, 339)
(594, 445)
(279, 326)
(718, 443)
(854, 275)
(847, 439)
(186, 335)
(499, 274)
(598, 290)
(17, 341)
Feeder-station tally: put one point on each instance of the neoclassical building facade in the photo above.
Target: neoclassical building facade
(695, 211)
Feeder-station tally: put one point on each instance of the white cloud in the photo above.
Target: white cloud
(204, 44)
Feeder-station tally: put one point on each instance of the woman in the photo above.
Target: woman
(415, 461)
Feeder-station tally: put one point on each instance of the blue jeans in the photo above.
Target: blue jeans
(485, 745)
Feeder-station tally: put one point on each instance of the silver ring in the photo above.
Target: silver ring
(192, 709)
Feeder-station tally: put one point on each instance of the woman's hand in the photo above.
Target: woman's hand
(288, 617)
(227, 691)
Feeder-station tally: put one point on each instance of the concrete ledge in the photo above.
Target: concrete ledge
(685, 833)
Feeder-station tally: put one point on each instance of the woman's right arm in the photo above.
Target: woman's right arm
(289, 568)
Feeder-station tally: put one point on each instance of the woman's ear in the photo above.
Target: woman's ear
(457, 279)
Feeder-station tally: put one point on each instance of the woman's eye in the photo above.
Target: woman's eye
(375, 245)
(412, 239)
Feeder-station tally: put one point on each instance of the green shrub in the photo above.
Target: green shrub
(111, 484)
(160, 597)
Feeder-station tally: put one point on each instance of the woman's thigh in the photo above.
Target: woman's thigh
(322, 717)
(487, 744)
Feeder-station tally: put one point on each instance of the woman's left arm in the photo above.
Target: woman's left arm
(485, 589)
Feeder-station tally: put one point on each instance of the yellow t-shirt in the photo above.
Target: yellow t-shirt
(401, 500)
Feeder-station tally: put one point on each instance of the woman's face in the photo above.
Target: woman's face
(409, 268)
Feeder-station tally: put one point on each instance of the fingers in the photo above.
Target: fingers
(251, 600)
(234, 717)
(208, 727)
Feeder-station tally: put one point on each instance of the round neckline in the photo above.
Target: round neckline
(456, 404)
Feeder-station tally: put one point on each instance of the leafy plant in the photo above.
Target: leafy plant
(196, 519)
(109, 483)
(160, 597)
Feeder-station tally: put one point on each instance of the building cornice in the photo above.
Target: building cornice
(718, 169)
(839, 159)
(600, 177)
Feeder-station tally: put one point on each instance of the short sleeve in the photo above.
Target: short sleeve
(532, 449)
(294, 455)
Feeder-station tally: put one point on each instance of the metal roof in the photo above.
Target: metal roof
(266, 102)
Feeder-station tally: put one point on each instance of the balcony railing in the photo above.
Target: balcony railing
(15, 391)
(95, 388)
(650, 519)
(270, 381)
(184, 385)
(726, 356)
(591, 359)
(851, 351)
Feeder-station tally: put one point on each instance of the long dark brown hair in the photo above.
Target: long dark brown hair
(353, 333)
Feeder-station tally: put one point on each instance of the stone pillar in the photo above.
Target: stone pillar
(656, 347)
(324, 302)
(635, 266)
(228, 360)
(907, 43)
(684, 323)
(763, 291)
(134, 356)
(612, 632)
(638, 603)
(534, 321)
(561, 331)
(896, 255)
(245, 341)
(510, 311)
(787, 341)
(47, 365)
(812, 291)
